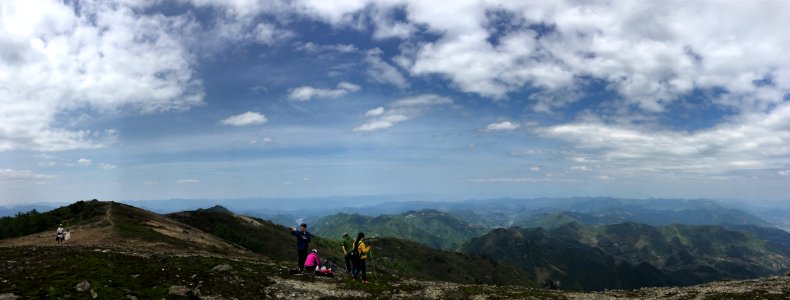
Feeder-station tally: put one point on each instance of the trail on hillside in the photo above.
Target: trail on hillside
(108, 215)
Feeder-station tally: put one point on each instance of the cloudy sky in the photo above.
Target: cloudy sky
(127, 99)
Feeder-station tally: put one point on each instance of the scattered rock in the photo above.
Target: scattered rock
(94, 295)
(223, 268)
(178, 290)
(105, 251)
(9, 296)
(135, 276)
(131, 297)
(83, 286)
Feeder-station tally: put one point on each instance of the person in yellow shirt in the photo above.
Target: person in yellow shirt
(361, 253)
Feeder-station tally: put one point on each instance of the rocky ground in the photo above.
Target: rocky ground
(66, 272)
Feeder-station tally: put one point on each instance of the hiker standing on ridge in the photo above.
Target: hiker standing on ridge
(59, 234)
(302, 242)
(348, 245)
(361, 252)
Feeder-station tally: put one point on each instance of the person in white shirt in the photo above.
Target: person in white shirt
(59, 234)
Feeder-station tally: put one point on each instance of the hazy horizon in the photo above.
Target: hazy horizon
(461, 100)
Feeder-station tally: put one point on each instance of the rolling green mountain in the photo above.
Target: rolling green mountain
(429, 227)
(691, 254)
(556, 257)
(390, 256)
(632, 255)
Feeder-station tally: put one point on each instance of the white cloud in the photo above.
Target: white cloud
(305, 93)
(108, 166)
(57, 59)
(525, 152)
(22, 175)
(383, 72)
(338, 48)
(502, 126)
(375, 112)
(187, 181)
(401, 110)
(84, 162)
(784, 172)
(581, 168)
(752, 142)
(47, 164)
(535, 168)
(247, 118)
(150, 183)
(648, 52)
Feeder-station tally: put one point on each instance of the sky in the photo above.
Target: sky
(135, 100)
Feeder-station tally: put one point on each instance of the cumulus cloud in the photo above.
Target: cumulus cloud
(754, 142)
(502, 126)
(187, 181)
(305, 93)
(84, 162)
(401, 110)
(650, 53)
(58, 58)
(244, 119)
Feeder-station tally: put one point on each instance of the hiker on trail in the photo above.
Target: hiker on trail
(59, 234)
(67, 236)
(302, 242)
(361, 251)
(313, 262)
(348, 245)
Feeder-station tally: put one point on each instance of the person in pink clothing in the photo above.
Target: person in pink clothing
(312, 261)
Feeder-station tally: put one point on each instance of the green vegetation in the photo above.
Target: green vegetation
(259, 236)
(428, 227)
(406, 258)
(631, 255)
(34, 222)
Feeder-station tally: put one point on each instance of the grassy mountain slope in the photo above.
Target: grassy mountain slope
(555, 257)
(428, 227)
(111, 224)
(632, 255)
(257, 235)
(407, 258)
(690, 254)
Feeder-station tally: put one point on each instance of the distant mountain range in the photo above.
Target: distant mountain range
(11, 211)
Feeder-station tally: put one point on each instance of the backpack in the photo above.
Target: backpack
(355, 250)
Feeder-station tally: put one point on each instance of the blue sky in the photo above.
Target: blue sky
(131, 100)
